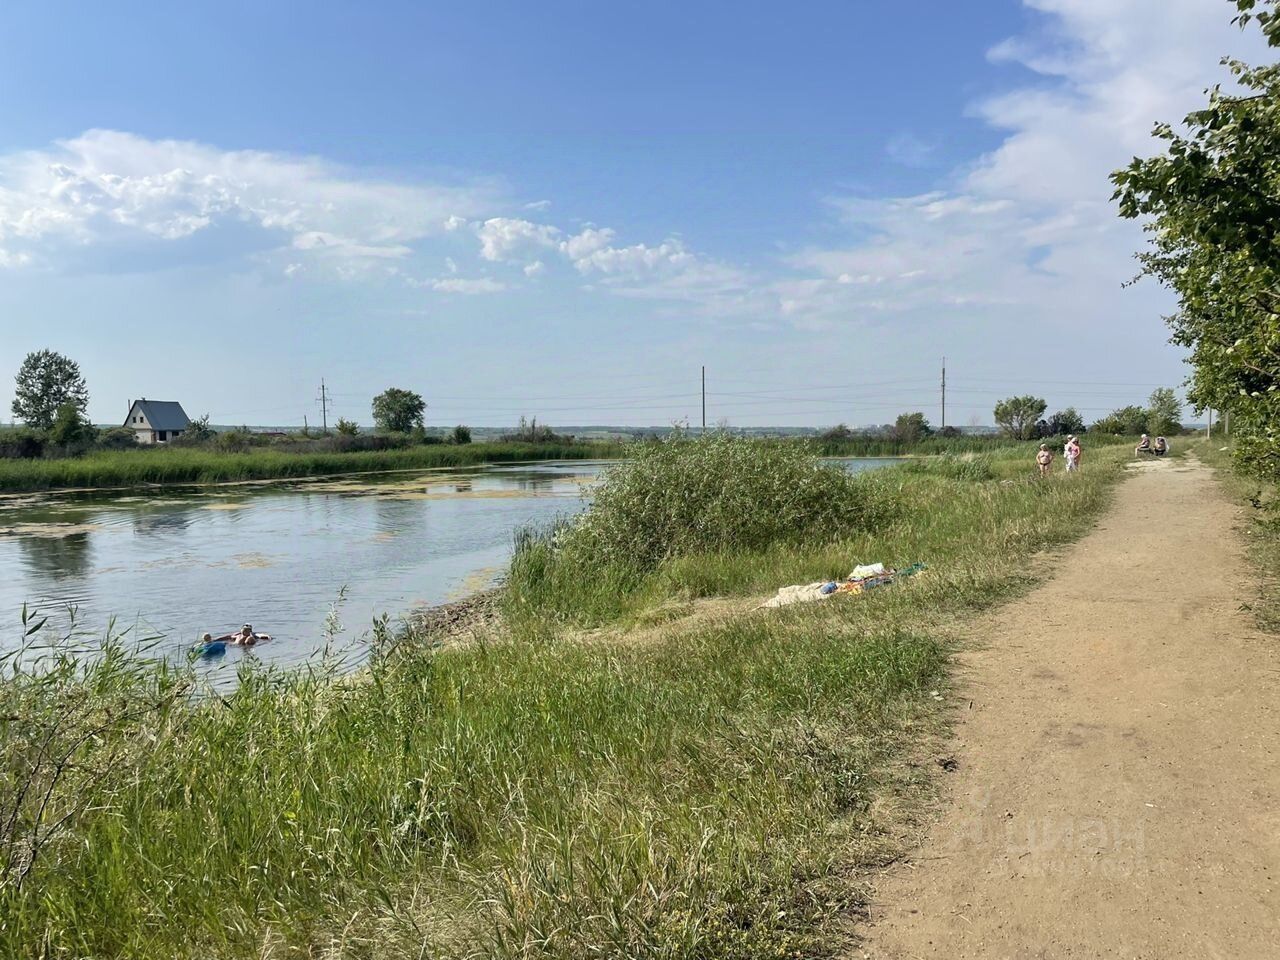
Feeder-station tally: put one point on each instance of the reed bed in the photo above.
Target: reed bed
(177, 465)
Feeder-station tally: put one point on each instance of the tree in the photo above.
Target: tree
(1127, 421)
(911, 428)
(1017, 416)
(1211, 201)
(839, 432)
(461, 434)
(1163, 413)
(70, 426)
(198, 431)
(398, 411)
(1065, 423)
(347, 428)
(45, 382)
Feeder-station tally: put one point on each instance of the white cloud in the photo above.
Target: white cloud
(1030, 226)
(589, 241)
(468, 286)
(106, 188)
(910, 151)
(663, 271)
(505, 238)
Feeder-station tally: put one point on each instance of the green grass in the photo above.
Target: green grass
(1261, 527)
(935, 445)
(177, 465)
(702, 793)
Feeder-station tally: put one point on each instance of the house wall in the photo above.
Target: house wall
(137, 422)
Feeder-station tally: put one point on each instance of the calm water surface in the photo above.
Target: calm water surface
(283, 556)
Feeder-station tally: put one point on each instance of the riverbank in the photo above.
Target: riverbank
(694, 778)
(179, 465)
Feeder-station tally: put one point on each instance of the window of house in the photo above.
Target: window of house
(162, 436)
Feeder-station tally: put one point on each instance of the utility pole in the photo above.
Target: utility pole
(324, 407)
(704, 398)
(1208, 428)
(944, 394)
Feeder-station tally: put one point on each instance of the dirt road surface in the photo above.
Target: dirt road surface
(1118, 783)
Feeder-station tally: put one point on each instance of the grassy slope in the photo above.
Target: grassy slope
(703, 794)
(186, 465)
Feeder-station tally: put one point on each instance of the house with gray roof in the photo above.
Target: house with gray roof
(156, 421)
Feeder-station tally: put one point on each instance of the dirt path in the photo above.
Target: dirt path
(1118, 789)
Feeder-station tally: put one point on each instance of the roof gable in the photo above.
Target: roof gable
(161, 414)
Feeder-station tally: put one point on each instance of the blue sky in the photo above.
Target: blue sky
(564, 209)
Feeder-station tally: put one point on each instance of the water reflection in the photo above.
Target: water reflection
(57, 558)
(163, 521)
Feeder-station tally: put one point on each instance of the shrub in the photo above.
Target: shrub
(530, 431)
(689, 497)
(118, 438)
(197, 432)
(70, 428)
(1126, 421)
(347, 428)
(461, 434)
(234, 440)
(21, 443)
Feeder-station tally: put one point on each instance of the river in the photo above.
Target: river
(285, 556)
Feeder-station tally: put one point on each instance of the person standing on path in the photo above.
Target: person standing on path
(1044, 459)
(1072, 453)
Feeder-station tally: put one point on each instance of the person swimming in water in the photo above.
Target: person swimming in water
(245, 637)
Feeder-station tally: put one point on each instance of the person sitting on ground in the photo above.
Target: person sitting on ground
(1044, 459)
(1144, 445)
(1161, 447)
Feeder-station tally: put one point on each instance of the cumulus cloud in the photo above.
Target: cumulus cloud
(1030, 226)
(662, 271)
(110, 188)
(508, 238)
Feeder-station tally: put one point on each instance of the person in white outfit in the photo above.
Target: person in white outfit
(1072, 454)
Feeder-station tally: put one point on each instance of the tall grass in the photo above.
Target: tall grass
(936, 445)
(696, 794)
(682, 497)
(176, 465)
(1261, 526)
